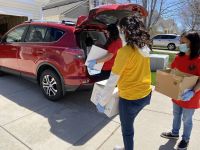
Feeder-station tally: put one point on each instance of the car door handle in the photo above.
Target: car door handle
(14, 49)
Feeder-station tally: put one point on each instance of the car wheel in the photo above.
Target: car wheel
(171, 46)
(50, 85)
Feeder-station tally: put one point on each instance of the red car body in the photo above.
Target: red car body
(25, 56)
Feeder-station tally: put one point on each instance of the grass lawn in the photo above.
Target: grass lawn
(171, 58)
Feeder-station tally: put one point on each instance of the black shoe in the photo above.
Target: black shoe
(183, 145)
(169, 135)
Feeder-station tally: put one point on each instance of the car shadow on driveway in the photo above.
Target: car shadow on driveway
(73, 119)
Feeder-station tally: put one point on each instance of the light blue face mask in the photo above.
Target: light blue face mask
(183, 48)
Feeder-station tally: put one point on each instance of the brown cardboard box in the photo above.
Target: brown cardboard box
(172, 83)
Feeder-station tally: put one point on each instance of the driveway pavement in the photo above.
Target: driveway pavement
(29, 121)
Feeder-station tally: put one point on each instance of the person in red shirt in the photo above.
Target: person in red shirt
(113, 44)
(188, 61)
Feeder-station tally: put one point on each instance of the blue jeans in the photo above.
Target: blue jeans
(186, 115)
(128, 111)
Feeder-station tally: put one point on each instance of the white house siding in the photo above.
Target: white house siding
(59, 13)
(73, 13)
(27, 8)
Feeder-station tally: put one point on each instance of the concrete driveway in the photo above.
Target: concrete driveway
(29, 121)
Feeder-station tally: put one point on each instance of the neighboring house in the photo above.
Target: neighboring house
(94, 3)
(168, 26)
(70, 9)
(13, 12)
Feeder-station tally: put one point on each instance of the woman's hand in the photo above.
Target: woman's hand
(187, 95)
(100, 108)
(91, 64)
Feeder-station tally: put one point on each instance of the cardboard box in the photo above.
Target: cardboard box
(112, 108)
(172, 83)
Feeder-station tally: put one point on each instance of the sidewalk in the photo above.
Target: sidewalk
(153, 120)
(30, 122)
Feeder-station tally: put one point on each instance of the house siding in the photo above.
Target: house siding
(67, 12)
(28, 8)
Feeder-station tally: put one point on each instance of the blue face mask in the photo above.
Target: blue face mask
(183, 48)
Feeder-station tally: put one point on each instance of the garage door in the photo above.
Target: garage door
(9, 21)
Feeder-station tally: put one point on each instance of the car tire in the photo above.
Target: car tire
(171, 46)
(2, 73)
(51, 85)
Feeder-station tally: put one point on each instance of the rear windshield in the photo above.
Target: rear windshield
(109, 17)
(53, 35)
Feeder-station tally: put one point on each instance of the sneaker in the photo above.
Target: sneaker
(183, 145)
(118, 148)
(169, 135)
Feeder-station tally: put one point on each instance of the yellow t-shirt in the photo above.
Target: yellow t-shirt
(135, 75)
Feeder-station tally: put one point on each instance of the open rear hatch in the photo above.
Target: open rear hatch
(99, 18)
(94, 25)
(107, 14)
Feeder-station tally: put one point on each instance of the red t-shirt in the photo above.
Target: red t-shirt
(112, 48)
(185, 64)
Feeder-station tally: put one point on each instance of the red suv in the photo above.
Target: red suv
(53, 54)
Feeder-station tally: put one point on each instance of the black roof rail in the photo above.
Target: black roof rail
(28, 21)
(69, 23)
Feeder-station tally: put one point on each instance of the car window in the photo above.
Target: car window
(36, 34)
(164, 37)
(157, 37)
(53, 34)
(15, 35)
(171, 37)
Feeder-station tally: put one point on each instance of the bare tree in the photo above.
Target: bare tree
(191, 15)
(158, 9)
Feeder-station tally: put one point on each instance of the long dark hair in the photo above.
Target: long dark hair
(113, 34)
(194, 39)
(135, 32)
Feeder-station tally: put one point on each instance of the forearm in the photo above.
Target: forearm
(105, 58)
(109, 88)
(197, 86)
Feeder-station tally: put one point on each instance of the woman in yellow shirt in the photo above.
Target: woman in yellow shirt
(131, 72)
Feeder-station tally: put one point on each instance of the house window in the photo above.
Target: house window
(96, 3)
